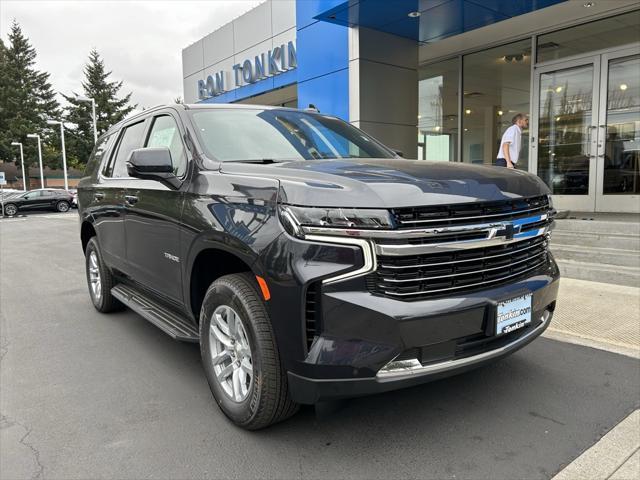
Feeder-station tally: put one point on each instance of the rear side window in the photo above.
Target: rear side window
(165, 133)
(130, 139)
(96, 156)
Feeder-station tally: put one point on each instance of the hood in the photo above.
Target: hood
(390, 183)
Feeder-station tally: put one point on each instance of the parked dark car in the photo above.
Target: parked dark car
(308, 260)
(41, 199)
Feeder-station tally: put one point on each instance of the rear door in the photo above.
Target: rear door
(109, 196)
(48, 199)
(154, 213)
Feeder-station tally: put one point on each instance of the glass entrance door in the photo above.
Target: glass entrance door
(618, 154)
(586, 139)
(566, 129)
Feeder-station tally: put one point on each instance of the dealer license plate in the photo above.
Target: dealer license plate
(513, 314)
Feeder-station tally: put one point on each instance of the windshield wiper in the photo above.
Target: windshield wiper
(262, 161)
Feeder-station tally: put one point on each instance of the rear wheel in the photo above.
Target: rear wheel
(240, 355)
(99, 279)
(10, 209)
(62, 206)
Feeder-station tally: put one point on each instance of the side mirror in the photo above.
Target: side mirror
(152, 164)
(400, 153)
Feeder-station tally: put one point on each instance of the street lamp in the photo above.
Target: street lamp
(35, 135)
(64, 153)
(82, 98)
(24, 180)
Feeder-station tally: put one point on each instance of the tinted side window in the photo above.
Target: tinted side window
(32, 195)
(130, 139)
(96, 156)
(165, 133)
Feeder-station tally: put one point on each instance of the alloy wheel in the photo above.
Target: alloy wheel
(10, 210)
(95, 281)
(231, 353)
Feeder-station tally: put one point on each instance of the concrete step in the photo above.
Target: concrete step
(606, 256)
(596, 272)
(601, 240)
(598, 226)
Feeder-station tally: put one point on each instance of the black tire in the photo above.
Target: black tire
(63, 206)
(104, 301)
(10, 209)
(267, 399)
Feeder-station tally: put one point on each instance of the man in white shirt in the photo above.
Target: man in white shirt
(511, 142)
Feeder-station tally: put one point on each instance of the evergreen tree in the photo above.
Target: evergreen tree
(109, 109)
(26, 102)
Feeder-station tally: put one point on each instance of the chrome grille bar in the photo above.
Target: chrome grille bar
(405, 249)
(423, 265)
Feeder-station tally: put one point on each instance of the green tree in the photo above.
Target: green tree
(110, 109)
(27, 100)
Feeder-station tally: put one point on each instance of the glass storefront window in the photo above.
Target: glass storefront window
(496, 85)
(437, 111)
(610, 32)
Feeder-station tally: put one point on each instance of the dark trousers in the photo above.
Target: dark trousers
(501, 162)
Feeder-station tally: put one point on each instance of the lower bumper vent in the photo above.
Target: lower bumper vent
(312, 313)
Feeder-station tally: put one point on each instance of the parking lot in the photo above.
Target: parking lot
(86, 395)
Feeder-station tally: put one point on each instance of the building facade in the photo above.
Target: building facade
(441, 80)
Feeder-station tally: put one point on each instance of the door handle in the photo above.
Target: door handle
(98, 196)
(131, 199)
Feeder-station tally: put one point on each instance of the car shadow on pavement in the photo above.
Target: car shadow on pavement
(532, 413)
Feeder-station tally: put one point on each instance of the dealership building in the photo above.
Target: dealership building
(441, 80)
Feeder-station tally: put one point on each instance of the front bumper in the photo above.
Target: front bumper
(312, 390)
(367, 343)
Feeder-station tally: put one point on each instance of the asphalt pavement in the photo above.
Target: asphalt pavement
(87, 395)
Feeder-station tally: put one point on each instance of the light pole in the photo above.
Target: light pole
(82, 98)
(24, 179)
(35, 135)
(64, 153)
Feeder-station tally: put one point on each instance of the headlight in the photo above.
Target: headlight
(318, 218)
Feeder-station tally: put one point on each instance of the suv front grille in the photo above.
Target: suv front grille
(418, 277)
(465, 213)
(452, 249)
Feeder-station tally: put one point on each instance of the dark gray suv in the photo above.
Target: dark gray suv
(307, 260)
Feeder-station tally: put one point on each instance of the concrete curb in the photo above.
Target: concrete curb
(593, 342)
(614, 456)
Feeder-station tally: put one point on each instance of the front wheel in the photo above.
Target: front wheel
(240, 355)
(99, 279)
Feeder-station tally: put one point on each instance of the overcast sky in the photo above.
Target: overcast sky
(141, 42)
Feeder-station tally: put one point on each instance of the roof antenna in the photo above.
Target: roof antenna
(312, 108)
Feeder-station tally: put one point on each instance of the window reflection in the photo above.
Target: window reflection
(609, 32)
(565, 130)
(496, 87)
(437, 112)
(622, 148)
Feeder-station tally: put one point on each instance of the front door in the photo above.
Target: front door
(586, 135)
(153, 215)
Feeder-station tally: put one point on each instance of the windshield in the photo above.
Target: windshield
(279, 134)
